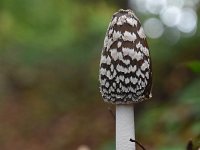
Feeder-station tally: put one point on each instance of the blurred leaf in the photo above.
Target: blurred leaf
(196, 127)
(194, 66)
(196, 143)
(191, 93)
(148, 121)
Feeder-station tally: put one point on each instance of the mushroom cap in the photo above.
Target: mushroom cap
(125, 73)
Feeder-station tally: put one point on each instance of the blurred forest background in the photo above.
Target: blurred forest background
(49, 60)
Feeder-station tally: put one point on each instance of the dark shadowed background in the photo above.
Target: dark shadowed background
(49, 60)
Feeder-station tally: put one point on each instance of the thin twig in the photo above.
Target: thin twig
(141, 146)
(111, 112)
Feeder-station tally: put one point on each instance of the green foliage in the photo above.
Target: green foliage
(194, 66)
(191, 93)
(108, 146)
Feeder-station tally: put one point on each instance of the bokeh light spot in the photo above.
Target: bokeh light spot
(188, 21)
(153, 28)
(177, 3)
(155, 6)
(171, 16)
(139, 5)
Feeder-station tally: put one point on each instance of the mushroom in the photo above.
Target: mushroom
(125, 73)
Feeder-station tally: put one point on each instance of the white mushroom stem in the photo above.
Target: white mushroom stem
(125, 129)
